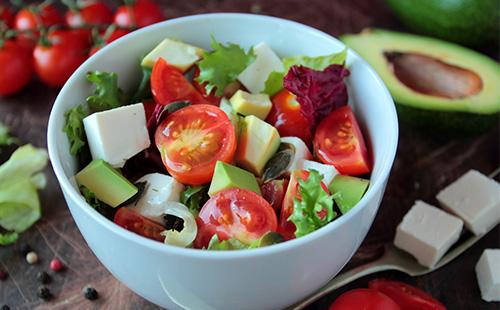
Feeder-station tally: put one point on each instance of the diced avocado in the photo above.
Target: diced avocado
(268, 239)
(258, 143)
(436, 84)
(347, 191)
(228, 176)
(106, 183)
(251, 104)
(175, 53)
(225, 106)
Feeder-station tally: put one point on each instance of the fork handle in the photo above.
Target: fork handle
(343, 279)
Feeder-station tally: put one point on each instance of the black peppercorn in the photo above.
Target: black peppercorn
(5, 307)
(25, 249)
(44, 293)
(90, 293)
(43, 277)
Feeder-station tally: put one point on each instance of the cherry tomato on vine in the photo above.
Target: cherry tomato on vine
(106, 39)
(89, 13)
(75, 38)
(6, 15)
(138, 13)
(15, 68)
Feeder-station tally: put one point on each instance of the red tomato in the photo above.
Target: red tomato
(169, 85)
(6, 15)
(274, 192)
(130, 220)
(406, 296)
(212, 98)
(286, 117)
(15, 68)
(149, 108)
(140, 14)
(364, 299)
(235, 213)
(287, 228)
(191, 140)
(91, 13)
(116, 34)
(338, 141)
(75, 38)
(34, 17)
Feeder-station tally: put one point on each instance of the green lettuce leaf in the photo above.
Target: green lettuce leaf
(144, 89)
(224, 245)
(19, 180)
(274, 82)
(107, 95)
(314, 200)
(8, 238)
(74, 129)
(194, 197)
(5, 138)
(95, 203)
(222, 66)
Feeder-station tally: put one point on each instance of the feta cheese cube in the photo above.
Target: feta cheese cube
(255, 75)
(175, 53)
(301, 152)
(251, 104)
(118, 134)
(474, 198)
(427, 233)
(488, 274)
(328, 171)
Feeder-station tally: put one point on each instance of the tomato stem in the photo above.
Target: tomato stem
(72, 5)
(18, 4)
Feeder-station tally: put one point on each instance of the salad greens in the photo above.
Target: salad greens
(194, 197)
(144, 89)
(5, 138)
(234, 244)
(309, 213)
(20, 178)
(222, 66)
(95, 203)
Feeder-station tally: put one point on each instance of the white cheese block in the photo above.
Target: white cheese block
(118, 134)
(474, 198)
(427, 233)
(488, 274)
(159, 190)
(328, 171)
(255, 75)
(301, 152)
(175, 53)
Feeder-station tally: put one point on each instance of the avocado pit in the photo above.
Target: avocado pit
(431, 76)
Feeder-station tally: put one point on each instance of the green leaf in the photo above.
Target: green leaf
(144, 89)
(5, 138)
(95, 203)
(274, 82)
(194, 197)
(225, 245)
(19, 180)
(314, 200)
(107, 95)
(8, 238)
(222, 66)
(74, 129)
(267, 239)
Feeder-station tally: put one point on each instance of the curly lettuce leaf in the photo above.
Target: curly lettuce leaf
(274, 82)
(74, 129)
(5, 138)
(315, 209)
(194, 197)
(222, 66)
(143, 91)
(19, 180)
(95, 203)
(8, 238)
(107, 95)
(225, 245)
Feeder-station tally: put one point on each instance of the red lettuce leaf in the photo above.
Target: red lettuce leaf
(318, 92)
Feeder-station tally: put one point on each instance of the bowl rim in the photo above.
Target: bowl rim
(387, 158)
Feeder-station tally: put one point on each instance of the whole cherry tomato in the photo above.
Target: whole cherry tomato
(364, 299)
(33, 17)
(6, 15)
(76, 38)
(106, 38)
(139, 13)
(15, 68)
(89, 13)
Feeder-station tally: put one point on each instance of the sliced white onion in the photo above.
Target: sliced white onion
(186, 236)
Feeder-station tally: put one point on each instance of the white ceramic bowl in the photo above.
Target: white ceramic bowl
(266, 278)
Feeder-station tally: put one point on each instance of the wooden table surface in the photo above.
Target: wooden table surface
(424, 164)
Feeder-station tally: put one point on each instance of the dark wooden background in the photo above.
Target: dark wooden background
(425, 163)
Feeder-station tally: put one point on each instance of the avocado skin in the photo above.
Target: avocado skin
(448, 124)
(468, 22)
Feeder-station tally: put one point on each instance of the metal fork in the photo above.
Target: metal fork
(392, 259)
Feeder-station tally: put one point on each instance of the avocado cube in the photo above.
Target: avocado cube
(228, 176)
(175, 53)
(257, 144)
(107, 183)
(251, 104)
(347, 191)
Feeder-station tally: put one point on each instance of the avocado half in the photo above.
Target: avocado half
(433, 82)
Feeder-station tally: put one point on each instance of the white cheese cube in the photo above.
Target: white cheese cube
(301, 152)
(159, 189)
(175, 53)
(255, 75)
(118, 134)
(327, 171)
(427, 233)
(488, 274)
(474, 198)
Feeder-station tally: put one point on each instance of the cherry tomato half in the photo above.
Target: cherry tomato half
(406, 296)
(235, 213)
(131, 220)
(191, 140)
(212, 98)
(169, 85)
(15, 68)
(140, 14)
(364, 299)
(338, 141)
(91, 13)
(287, 228)
(286, 117)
